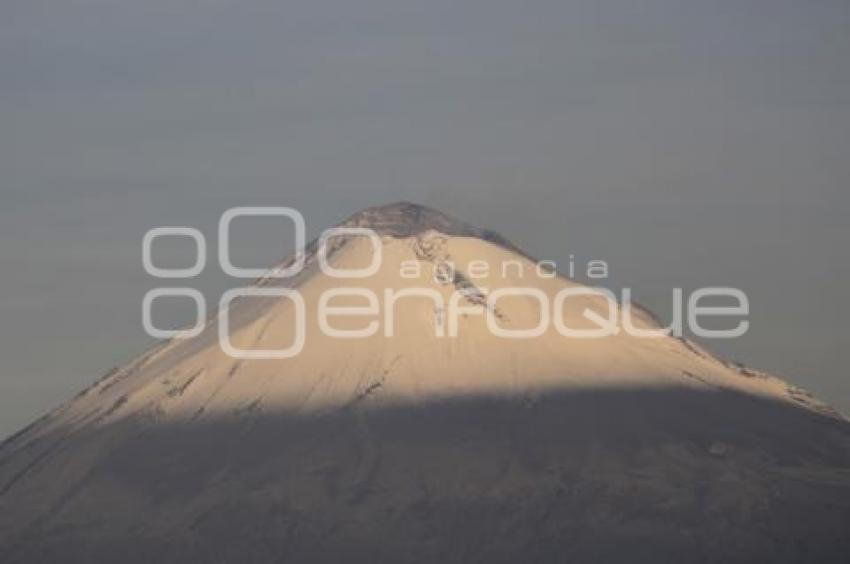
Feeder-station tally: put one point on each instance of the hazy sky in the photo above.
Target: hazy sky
(686, 143)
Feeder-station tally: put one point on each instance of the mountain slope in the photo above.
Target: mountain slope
(418, 447)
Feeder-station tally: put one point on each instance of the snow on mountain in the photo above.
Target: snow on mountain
(416, 447)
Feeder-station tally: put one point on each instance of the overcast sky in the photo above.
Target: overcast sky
(686, 143)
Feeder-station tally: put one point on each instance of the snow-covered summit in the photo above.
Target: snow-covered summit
(417, 447)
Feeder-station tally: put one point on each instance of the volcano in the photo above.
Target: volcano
(418, 447)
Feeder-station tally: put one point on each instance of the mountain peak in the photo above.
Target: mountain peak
(407, 219)
(382, 446)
